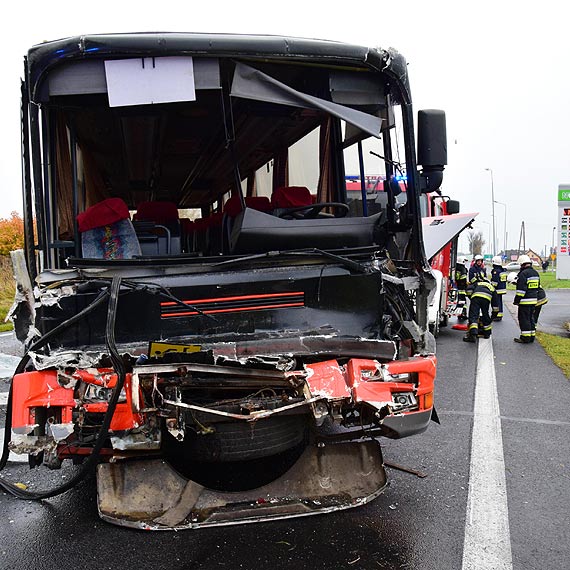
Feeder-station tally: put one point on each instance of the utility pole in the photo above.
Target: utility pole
(522, 239)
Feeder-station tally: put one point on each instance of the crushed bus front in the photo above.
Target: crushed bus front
(211, 319)
(304, 437)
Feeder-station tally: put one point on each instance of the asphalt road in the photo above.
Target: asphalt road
(418, 523)
(556, 312)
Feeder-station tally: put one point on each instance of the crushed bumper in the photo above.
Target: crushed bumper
(150, 495)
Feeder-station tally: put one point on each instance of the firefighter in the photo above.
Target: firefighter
(461, 282)
(481, 295)
(541, 300)
(499, 281)
(477, 269)
(526, 297)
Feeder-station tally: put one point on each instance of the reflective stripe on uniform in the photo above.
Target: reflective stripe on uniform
(527, 302)
(482, 296)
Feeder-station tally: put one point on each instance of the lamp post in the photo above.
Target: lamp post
(505, 206)
(552, 250)
(490, 170)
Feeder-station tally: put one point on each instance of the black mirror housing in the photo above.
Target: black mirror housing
(432, 139)
(452, 206)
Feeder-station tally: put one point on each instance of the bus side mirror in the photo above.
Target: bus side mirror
(432, 148)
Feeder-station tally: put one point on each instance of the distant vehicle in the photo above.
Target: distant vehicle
(514, 266)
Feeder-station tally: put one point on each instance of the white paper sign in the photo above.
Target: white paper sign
(149, 80)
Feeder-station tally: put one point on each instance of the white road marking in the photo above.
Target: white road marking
(506, 418)
(487, 544)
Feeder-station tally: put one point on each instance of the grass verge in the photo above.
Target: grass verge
(548, 281)
(558, 348)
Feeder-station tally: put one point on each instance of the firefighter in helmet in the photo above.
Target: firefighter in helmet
(526, 297)
(481, 295)
(499, 281)
(477, 269)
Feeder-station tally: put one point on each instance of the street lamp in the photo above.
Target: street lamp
(490, 170)
(503, 204)
(552, 250)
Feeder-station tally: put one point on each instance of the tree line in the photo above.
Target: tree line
(11, 233)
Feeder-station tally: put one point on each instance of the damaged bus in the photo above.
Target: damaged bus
(210, 320)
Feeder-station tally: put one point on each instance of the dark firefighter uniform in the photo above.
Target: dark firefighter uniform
(541, 300)
(461, 282)
(499, 282)
(526, 297)
(477, 271)
(481, 294)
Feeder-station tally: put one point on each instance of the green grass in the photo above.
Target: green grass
(548, 281)
(7, 291)
(558, 348)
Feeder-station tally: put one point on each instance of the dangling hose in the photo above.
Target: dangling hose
(119, 367)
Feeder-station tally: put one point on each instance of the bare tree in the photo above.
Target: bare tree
(476, 242)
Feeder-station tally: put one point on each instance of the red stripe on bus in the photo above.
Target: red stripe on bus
(237, 298)
(257, 308)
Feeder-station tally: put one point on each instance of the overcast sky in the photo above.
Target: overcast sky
(499, 69)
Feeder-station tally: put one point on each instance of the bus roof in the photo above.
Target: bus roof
(43, 57)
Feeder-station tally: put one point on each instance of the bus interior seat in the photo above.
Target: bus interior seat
(154, 239)
(107, 231)
(187, 227)
(286, 197)
(167, 227)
